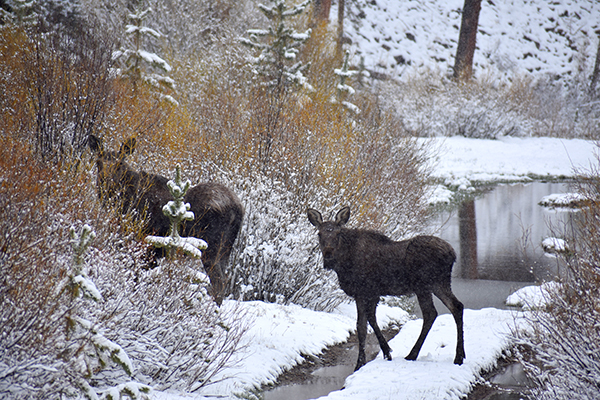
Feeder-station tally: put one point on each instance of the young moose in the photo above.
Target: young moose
(369, 265)
(218, 212)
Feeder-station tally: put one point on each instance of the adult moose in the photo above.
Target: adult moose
(369, 265)
(218, 211)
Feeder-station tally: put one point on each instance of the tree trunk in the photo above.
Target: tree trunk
(463, 66)
(596, 73)
(467, 232)
(321, 10)
(340, 31)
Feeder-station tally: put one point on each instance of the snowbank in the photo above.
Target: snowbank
(280, 335)
(532, 297)
(563, 200)
(460, 162)
(433, 375)
(278, 339)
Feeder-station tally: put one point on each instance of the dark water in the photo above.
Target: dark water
(497, 238)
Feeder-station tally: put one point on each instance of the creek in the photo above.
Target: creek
(497, 237)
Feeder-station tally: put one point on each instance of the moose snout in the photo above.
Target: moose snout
(327, 251)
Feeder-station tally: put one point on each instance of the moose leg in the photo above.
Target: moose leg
(371, 317)
(361, 331)
(429, 316)
(444, 293)
(214, 272)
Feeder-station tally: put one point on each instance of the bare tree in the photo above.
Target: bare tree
(463, 66)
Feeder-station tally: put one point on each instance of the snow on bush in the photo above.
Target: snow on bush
(563, 200)
(174, 333)
(142, 329)
(532, 297)
(275, 258)
(553, 246)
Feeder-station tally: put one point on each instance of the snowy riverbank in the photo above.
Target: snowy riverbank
(461, 163)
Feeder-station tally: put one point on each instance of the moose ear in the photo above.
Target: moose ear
(128, 147)
(315, 217)
(94, 144)
(342, 216)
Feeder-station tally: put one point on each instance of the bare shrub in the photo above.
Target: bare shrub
(60, 85)
(560, 349)
(40, 202)
(488, 108)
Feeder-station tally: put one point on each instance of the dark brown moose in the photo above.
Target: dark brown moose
(369, 265)
(218, 211)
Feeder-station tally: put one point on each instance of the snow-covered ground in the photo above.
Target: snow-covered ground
(461, 163)
(280, 334)
(514, 37)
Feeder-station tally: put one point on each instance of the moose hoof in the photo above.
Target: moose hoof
(388, 356)
(410, 357)
(458, 360)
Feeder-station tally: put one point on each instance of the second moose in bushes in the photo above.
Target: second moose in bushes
(218, 211)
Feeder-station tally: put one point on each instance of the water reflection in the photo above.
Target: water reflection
(498, 236)
(467, 233)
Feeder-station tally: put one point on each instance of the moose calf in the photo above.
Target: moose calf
(218, 212)
(369, 265)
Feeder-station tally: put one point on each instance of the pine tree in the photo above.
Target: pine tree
(278, 46)
(177, 211)
(87, 349)
(344, 90)
(140, 65)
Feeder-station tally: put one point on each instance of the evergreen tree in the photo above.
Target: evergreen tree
(86, 348)
(278, 46)
(344, 90)
(140, 65)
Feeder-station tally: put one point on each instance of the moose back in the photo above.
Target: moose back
(369, 265)
(217, 210)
